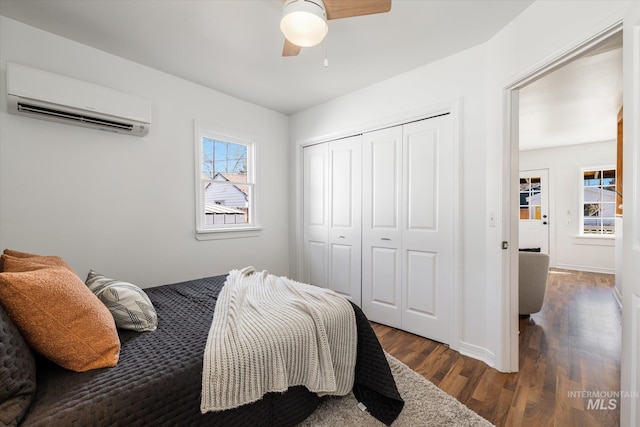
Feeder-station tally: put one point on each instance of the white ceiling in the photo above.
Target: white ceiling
(576, 104)
(234, 46)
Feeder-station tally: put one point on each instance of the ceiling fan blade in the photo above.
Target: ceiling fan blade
(290, 49)
(337, 9)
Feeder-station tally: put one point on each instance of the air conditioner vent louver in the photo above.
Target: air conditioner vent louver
(43, 95)
(26, 108)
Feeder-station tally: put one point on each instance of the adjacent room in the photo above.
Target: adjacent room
(418, 213)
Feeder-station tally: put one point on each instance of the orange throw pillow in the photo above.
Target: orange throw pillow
(40, 259)
(58, 315)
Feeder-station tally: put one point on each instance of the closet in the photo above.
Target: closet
(388, 195)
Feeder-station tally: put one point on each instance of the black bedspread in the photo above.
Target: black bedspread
(157, 381)
(374, 385)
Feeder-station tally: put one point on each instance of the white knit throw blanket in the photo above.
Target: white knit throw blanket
(270, 333)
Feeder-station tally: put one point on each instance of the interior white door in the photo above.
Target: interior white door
(428, 205)
(332, 216)
(345, 176)
(316, 221)
(534, 209)
(381, 227)
(408, 227)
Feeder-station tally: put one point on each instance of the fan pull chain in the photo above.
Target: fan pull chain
(326, 51)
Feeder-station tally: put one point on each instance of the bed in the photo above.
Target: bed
(157, 380)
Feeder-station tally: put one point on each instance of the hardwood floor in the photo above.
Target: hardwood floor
(569, 352)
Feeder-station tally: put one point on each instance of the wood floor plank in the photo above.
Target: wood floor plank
(568, 350)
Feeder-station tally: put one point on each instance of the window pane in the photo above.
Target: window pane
(591, 210)
(591, 227)
(591, 178)
(227, 203)
(226, 158)
(537, 212)
(608, 210)
(524, 199)
(535, 183)
(608, 177)
(207, 157)
(592, 195)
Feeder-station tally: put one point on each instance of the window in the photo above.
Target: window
(530, 198)
(225, 182)
(598, 201)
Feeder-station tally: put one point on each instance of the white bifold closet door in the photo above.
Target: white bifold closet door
(408, 204)
(332, 216)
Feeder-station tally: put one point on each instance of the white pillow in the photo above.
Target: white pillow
(130, 307)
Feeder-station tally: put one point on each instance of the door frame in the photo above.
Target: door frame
(453, 107)
(510, 193)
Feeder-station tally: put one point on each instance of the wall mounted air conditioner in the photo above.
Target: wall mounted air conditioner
(47, 96)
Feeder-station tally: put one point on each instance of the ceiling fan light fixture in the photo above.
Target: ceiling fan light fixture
(304, 22)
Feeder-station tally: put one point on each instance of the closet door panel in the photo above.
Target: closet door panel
(317, 188)
(384, 283)
(315, 212)
(317, 263)
(428, 228)
(384, 184)
(422, 180)
(421, 283)
(341, 275)
(381, 232)
(345, 176)
(342, 185)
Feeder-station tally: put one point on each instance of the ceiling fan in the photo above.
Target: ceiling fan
(304, 22)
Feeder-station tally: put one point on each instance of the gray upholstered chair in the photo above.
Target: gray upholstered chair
(532, 281)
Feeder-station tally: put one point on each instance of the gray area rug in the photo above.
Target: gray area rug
(425, 405)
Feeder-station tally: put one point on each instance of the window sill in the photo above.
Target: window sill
(227, 233)
(595, 240)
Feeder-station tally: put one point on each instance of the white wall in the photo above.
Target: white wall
(122, 205)
(565, 164)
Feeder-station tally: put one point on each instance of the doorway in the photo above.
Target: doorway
(571, 216)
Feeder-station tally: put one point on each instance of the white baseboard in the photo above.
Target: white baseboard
(586, 268)
(479, 353)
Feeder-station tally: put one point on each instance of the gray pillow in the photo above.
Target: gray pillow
(129, 305)
(17, 373)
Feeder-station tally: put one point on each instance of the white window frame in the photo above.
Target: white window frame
(225, 231)
(581, 233)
